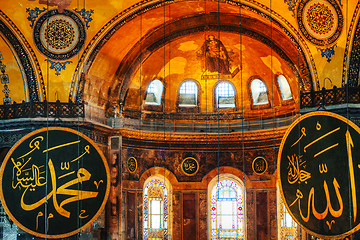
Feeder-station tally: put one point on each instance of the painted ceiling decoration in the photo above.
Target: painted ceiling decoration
(353, 71)
(27, 59)
(321, 22)
(4, 80)
(154, 39)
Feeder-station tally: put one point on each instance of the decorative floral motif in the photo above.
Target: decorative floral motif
(327, 52)
(33, 14)
(291, 5)
(58, 66)
(86, 15)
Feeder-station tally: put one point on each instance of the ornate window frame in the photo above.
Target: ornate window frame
(164, 199)
(235, 183)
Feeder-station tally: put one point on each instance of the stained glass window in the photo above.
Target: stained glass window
(227, 210)
(259, 92)
(225, 95)
(155, 210)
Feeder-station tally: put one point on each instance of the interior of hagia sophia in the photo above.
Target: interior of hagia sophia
(186, 99)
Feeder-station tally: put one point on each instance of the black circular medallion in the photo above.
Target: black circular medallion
(318, 172)
(189, 166)
(132, 164)
(54, 182)
(259, 165)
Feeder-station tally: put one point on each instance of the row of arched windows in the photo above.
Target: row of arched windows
(224, 93)
(226, 210)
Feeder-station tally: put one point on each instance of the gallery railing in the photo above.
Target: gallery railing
(42, 109)
(327, 97)
(312, 99)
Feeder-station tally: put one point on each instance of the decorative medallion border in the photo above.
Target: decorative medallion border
(47, 28)
(307, 28)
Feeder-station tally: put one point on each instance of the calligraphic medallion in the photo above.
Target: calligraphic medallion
(318, 172)
(259, 165)
(54, 182)
(190, 166)
(132, 164)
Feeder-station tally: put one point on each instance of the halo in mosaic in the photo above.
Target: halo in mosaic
(59, 35)
(320, 21)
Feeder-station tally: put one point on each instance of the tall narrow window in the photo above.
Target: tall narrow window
(155, 210)
(259, 92)
(226, 208)
(284, 88)
(225, 95)
(188, 94)
(154, 93)
(289, 229)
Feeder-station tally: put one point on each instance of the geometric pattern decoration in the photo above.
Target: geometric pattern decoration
(320, 21)
(4, 80)
(27, 59)
(59, 35)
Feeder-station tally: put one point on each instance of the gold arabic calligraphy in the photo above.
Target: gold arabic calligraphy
(296, 173)
(27, 177)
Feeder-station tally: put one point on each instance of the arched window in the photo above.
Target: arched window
(156, 209)
(226, 209)
(284, 88)
(259, 92)
(188, 94)
(154, 92)
(225, 95)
